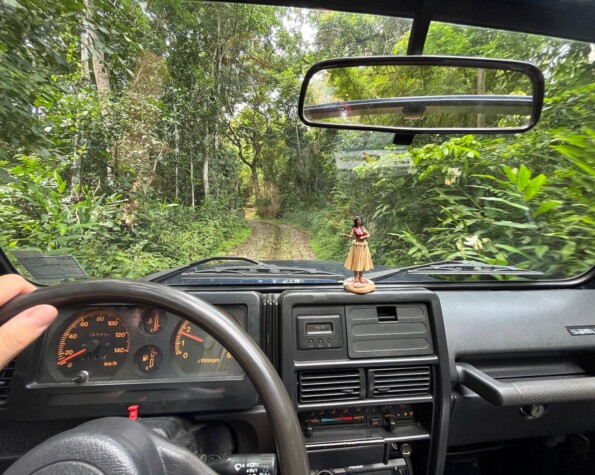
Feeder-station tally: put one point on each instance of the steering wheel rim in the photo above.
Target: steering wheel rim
(293, 459)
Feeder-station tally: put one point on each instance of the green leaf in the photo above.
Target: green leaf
(571, 153)
(534, 187)
(569, 249)
(511, 249)
(12, 3)
(511, 175)
(510, 224)
(545, 207)
(506, 202)
(523, 177)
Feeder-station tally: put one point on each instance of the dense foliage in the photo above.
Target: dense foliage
(527, 200)
(134, 134)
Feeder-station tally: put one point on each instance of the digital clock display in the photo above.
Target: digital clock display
(319, 328)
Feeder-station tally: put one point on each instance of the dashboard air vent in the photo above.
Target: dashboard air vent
(270, 329)
(404, 381)
(330, 386)
(5, 379)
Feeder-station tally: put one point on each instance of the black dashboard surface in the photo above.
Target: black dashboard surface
(510, 335)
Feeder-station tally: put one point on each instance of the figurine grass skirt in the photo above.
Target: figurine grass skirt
(359, 258)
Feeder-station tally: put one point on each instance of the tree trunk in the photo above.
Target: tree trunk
(205, 176)
(216, 162)
(217, 75)
(85, 45)
(98, 59)
(100, 72)
(481, 90)
(177, 149)
(192, 177)
(77, 168)
(205, 163)
(79, 138)
(255, 183)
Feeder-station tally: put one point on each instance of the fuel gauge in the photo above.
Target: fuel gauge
(148, 358)
(153, 320)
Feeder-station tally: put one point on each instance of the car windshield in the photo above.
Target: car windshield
(139, 137)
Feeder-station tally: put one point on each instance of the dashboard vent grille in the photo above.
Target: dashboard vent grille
(330, 386)
(5, 379)
(404, 381)
(270, 329)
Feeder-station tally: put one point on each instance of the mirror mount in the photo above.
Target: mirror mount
(403, 139)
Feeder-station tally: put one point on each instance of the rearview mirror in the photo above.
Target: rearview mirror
(422, 94)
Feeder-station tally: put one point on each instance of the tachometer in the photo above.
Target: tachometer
(97, 341)
(195, 351)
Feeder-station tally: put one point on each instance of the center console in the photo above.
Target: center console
(369, 379)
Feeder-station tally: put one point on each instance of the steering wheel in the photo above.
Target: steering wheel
(127, 441)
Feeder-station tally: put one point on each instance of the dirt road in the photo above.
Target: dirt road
(274, 241)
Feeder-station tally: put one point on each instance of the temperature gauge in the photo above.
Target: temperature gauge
(153, 320)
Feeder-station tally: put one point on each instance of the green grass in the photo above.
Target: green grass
(240, 236)
(323, 234)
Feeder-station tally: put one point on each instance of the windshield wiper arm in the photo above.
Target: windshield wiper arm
(453, 267)
(261, 268)
(181, 269)
(473, 268)
(206, 260)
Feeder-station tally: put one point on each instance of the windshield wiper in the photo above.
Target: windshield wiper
(181, 269)
(453, 267)
(260, 268)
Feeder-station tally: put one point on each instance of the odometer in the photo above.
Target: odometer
(97, 341)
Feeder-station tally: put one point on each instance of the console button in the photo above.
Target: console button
(375, 422)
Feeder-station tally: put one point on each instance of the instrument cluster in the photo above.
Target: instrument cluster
(128, 343)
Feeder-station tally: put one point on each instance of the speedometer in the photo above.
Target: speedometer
(97, 341)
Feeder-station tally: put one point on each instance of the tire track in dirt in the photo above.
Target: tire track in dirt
(274, 241)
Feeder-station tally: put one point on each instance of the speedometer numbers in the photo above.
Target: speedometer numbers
(195, 351)
(98, 342)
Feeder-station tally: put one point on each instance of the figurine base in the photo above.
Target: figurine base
(359, 288)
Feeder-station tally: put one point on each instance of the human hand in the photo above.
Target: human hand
(23, 329)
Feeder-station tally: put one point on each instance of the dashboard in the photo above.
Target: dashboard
(387, 381)
(101, 359)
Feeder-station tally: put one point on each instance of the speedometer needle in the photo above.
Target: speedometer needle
(65, 360)
(192, 336)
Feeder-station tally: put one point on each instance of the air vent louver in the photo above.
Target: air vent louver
(270, 329)
(403, 381)
(330, 386)
(5, 379)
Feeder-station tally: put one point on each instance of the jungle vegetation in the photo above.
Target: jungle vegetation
(134, 134)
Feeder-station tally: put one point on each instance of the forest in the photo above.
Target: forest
(136, 134)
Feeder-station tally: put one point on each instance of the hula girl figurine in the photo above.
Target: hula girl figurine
(359, 259)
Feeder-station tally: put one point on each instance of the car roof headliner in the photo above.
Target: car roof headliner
(572, 19)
